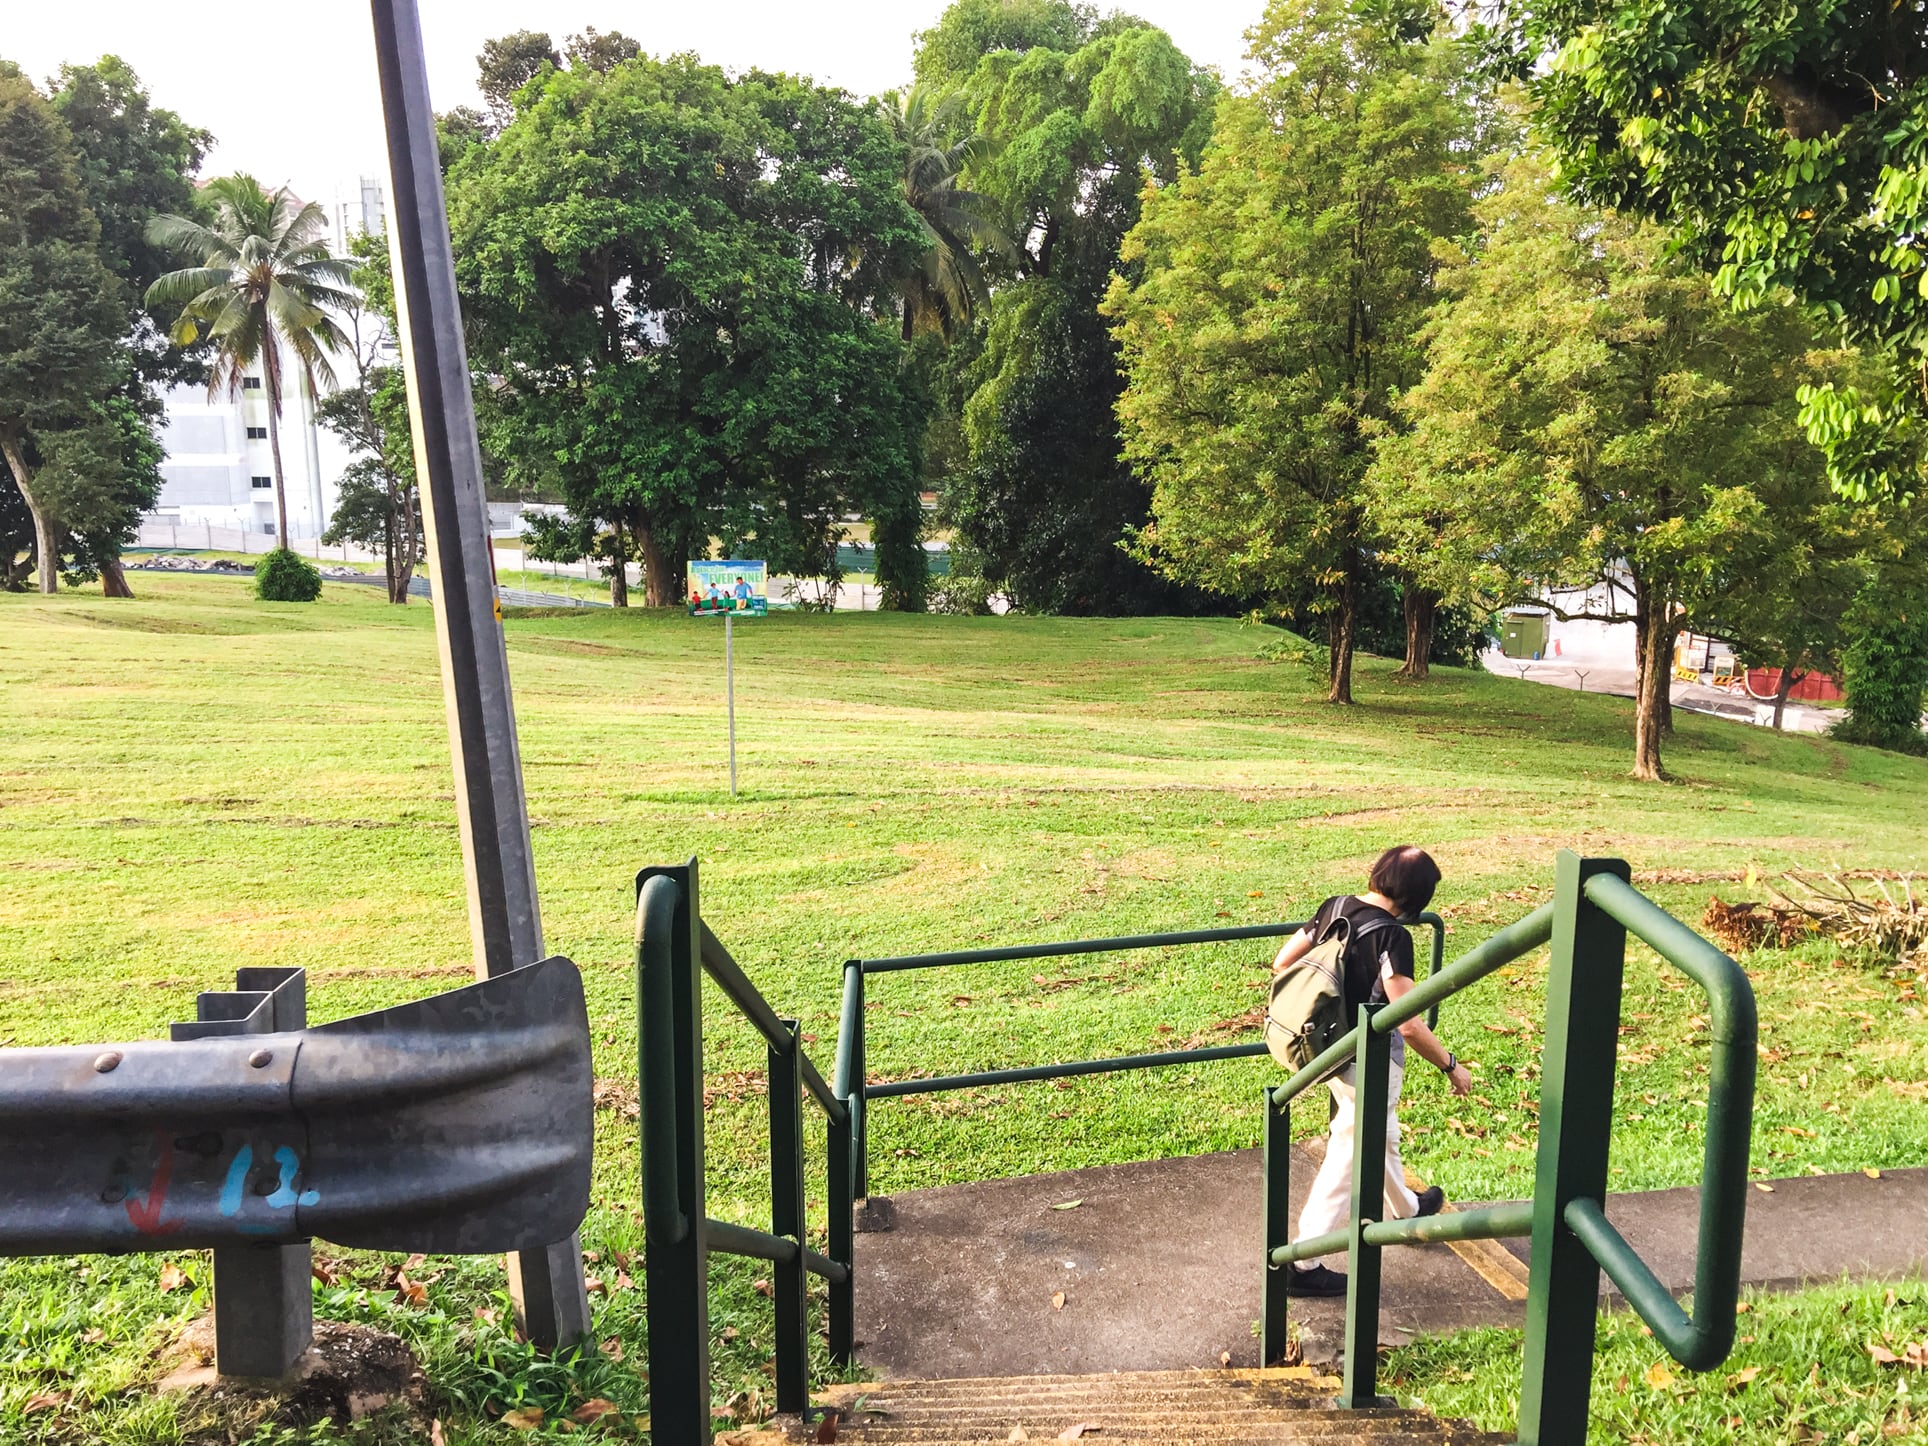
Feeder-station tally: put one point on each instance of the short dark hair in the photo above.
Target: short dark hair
(1406, 875)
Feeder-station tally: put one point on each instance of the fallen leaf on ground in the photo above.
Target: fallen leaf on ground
(435, 1437)
(96, 1335)
(1079, 1431)
(523, 1418)
(172, 1277)
(1018, 1433)
(1659, 1377)
(1872, 1173)
(1742, 1377)
(613, 1348)
(49, 1401)
(592, 1411)
(1250, 894)
(827, 1428)
(1764, 1187)
(1067, 1205)
(761, 1287)
(1057, 1300)
(1225, 1358)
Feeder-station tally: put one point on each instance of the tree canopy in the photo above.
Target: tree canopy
(681, 286)
(1787, 145)
(1283, 286)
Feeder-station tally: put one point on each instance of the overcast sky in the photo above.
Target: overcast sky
(227, 70)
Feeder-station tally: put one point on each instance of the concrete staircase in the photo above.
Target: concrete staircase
(1278, 1407)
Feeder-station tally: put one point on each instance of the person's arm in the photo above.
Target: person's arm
(1296, 948)
(1424, 1042)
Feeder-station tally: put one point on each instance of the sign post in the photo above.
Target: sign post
(725, 589)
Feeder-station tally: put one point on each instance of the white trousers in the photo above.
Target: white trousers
(1329, 1206)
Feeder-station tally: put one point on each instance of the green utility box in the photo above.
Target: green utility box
(1524, 635)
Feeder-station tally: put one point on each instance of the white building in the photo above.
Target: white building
(219, 470)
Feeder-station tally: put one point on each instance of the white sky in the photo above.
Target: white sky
(322, 127)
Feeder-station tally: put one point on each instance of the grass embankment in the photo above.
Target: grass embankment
(194, 781)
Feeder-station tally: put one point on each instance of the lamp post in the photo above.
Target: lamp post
(504, 923)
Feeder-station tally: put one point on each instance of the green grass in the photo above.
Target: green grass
(194, 782)
(1802, 1370)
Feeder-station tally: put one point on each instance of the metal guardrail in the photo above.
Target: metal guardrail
(850, 1077)
(1593, 910)
(674, 948)
(457, 1124)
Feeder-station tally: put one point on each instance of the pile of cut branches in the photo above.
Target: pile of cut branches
(1889, 922)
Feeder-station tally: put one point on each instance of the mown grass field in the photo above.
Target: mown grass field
(194, 781)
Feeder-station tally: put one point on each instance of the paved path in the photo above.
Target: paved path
(1586, 677)
(1158, 1265)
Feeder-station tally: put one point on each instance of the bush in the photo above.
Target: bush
(1886, 673)
(280, 576)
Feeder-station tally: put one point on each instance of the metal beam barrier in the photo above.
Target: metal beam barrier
(460, 1124)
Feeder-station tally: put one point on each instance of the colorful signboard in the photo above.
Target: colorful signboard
(734, 586)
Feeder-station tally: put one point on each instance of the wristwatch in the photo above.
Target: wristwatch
(1452, 1063)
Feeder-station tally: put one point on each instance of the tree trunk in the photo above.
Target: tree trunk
(1788, 679)
(662, 583)
(619, 566)
(113, 578)
(411, 544)
(271, 365)
(1342, 640)
(43, 526)
(1655, 631)
(1422, 609)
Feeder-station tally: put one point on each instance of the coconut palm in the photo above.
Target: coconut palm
(265, 283)
(947, 288)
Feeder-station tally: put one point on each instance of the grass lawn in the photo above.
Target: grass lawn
(194, 781)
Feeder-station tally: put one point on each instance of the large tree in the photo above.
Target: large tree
(1593, 417)
(1079, 112)
(1284, 284)
(62, 322)
(1787, 145)
(682, 289)
(263, 283)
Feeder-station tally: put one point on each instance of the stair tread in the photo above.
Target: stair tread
(1276, 1407)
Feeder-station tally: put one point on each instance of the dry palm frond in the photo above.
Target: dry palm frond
(1886, 920)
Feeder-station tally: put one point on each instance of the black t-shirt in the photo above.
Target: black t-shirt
(1368, 959)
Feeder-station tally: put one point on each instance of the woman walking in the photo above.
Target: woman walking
(1378, 968)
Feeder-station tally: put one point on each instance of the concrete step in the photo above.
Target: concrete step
(1279, 1407)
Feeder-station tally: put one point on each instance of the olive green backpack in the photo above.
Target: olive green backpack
(1307, 1014)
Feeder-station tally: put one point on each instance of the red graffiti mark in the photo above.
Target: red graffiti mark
(146, 1214)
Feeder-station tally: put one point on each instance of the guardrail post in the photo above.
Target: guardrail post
(860, 1072)
(264, 1303)
(669, 1006)
(1370, 1081)
(1274, 1334)
(1576, 1124)
(790, 1292)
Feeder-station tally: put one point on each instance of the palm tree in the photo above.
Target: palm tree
(945, 291)
(265, 281)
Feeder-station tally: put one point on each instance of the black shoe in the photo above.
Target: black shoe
(1317, 1281)
(1431, 1201)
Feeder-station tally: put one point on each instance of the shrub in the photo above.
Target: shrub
(281, 576)
(1886, 673)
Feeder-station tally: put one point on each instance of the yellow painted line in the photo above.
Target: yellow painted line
(1491, 1261)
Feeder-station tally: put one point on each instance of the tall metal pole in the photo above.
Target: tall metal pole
(547, 1285)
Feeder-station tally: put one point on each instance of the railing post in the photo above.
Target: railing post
(669, 1006)
(790, 1292)
(1274, 1334)
(859, 1106)
(1576, 1123)
(842, 1304)
(1370, 1083)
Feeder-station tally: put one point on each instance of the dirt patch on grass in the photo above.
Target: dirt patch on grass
(350, 1372)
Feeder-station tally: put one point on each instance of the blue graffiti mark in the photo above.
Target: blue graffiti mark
(237, 1180)
(282, 1198)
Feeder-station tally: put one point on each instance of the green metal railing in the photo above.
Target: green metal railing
(850, 1082)
(1594, 908)
(674, 948)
